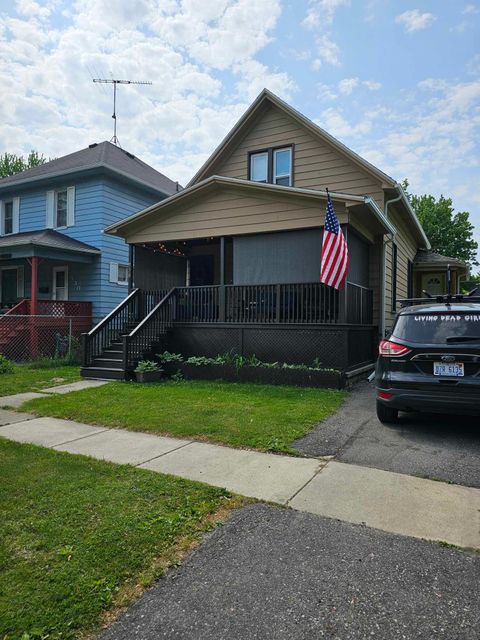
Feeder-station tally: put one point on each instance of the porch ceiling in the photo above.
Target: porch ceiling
(46, 243)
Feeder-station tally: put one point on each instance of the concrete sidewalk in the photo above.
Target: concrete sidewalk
(18, 399)
(384, 500)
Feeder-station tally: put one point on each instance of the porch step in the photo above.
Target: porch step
(112, 354)
(108, 362)
(107, 373)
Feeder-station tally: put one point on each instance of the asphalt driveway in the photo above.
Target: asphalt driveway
(280, 574)
(434, 446)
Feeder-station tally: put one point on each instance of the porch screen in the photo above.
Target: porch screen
(271, 258)
(359, 259)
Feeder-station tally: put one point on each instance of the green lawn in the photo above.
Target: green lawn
(238, 415)
(79, 537)
(27, 378)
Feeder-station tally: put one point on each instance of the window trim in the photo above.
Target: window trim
(270, 161)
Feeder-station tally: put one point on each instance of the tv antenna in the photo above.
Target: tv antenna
(113, 81)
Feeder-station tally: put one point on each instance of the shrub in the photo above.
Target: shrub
(6, 365)
(166, 356)
(146, 365)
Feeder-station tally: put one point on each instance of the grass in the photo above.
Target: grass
(81, 538)
(255, 416)
(30, 378)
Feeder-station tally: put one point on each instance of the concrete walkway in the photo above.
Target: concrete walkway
(384, 500)
(18, 399)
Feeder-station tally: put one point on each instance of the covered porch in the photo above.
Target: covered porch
(39, 276)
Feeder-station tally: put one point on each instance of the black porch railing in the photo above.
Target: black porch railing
(145, 316)
(270, 303)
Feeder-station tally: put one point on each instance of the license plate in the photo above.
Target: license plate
(454, 369)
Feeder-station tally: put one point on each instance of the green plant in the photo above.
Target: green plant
(166, 356)
(6, 365)
(178, 376)
(146, 365)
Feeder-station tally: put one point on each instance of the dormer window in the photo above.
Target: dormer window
(273, 165)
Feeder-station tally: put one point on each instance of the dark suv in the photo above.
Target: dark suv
(431, 361)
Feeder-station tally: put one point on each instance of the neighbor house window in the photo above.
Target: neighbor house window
(273, 165)
(8, 218)
(61, 204)
(60, 208)
(119, 273)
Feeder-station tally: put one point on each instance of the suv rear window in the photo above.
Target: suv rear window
(437, 328)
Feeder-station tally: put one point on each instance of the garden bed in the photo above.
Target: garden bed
(260, 375)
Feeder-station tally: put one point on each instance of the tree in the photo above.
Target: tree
(11, 163)
(450, 233)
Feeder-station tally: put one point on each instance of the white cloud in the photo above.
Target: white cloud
(372, 85)
(327, 52)
(470, 9)
(201, 57)
(413, 20)
(347, 85)
(322, 12)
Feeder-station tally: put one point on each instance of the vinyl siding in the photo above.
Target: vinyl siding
(316, 164)
(233, 212)
(406, 250)
(98, 202)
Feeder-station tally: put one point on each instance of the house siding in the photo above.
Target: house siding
(99, 202)
(316, 163)
(233, 212)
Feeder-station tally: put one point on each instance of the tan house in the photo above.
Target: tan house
(238, 253)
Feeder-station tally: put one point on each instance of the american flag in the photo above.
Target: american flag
(335, 258)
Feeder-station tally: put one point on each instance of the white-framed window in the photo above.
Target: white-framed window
(61, 208)
(119, 273)
(282, 166)
(60, 212)
(273, 165)
(259, 167)
(10, 216)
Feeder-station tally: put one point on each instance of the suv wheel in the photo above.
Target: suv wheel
(386, 414)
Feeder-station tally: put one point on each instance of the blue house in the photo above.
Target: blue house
(51, 231)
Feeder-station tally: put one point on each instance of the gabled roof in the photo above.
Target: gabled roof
(103, 155)
(430, 258)
(46, 238)
(215, 182)
(250, 114)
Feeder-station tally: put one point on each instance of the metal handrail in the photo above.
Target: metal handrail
(114, 312)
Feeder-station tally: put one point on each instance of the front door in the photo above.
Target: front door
(433, 283)
(60, 283)
(201, 270)
(8, 287)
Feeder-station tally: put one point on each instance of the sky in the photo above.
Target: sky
(398, 81)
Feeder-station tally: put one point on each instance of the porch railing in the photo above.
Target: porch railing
(149, 331)
(271, 303)
(358, 304)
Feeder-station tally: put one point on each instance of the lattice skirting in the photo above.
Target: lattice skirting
(337, 346)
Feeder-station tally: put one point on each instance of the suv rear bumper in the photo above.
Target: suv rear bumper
(432, 401)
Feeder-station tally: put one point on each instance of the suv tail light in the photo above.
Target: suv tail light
(392, 349)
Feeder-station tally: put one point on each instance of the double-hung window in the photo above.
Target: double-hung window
(273, 165)
(61, 208)
(60, 213)
(9, 216)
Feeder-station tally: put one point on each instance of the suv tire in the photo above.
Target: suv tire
(386, 414)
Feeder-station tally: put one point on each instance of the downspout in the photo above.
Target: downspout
(384, 268)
